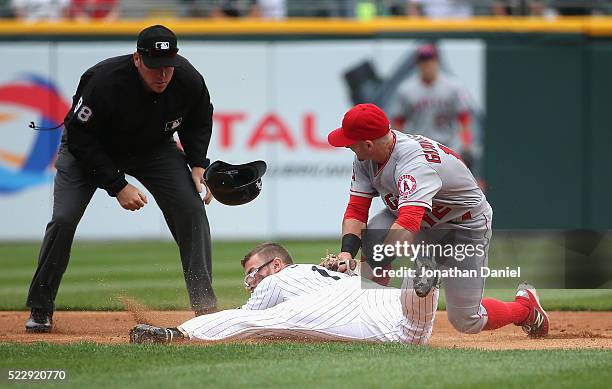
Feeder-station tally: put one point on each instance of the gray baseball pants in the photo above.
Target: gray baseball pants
(463, 296)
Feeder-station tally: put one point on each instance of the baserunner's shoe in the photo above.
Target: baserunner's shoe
(39, 321)
(537, 323)
(144, 333)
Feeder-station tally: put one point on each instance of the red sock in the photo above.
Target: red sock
(501, 313)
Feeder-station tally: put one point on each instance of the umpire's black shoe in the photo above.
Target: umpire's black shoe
(39, 321)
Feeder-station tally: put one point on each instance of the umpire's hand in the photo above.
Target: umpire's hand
(197, 175)
(131, 198)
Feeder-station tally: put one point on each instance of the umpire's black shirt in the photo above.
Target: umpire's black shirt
(113, 116)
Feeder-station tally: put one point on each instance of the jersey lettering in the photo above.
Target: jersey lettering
(444, 119)
(78, 104)
(440, 211)
(431, 154)
(324, 273)
(391, 201)
(449, 151)
(427, 219)
(436, 214)
(84, 114)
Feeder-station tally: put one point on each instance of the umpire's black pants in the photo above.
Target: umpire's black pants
(164, 172)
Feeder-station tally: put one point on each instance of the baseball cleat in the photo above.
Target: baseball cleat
(424, 284)
(144, 333)
(39, 321)
(537, 323)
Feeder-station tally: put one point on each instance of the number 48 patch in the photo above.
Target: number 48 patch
(82, 112)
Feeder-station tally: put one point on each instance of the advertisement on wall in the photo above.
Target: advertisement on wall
(274, 101)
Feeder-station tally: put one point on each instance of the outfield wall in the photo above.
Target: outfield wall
(541, 96)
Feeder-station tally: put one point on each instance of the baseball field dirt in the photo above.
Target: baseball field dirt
(575, 330)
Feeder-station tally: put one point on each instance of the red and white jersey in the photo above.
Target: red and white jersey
(293, 281)
(425, 173)
(432, 110)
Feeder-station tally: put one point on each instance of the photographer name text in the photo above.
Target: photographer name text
(453, 272)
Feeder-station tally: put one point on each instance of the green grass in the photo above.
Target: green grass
(100, 272)
(310, 365)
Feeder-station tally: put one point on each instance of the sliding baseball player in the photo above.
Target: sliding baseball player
(307, 301)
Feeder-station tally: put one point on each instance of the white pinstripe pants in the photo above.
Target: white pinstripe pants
(346, 310)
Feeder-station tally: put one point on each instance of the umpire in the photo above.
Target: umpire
(123, 117)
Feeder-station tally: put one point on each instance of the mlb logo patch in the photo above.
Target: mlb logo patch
(172, 125)
(162, 45)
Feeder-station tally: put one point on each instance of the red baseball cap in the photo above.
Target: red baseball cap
(362, 122)
(426, 52)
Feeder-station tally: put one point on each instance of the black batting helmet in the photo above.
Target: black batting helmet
(235, 184)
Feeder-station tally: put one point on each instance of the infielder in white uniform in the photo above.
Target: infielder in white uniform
(433, 105)
(307, 301)
(425, 185)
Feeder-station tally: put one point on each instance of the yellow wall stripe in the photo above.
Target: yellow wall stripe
(592, 26)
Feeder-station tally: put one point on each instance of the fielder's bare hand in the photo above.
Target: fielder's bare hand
(131, 198)
(197, 175)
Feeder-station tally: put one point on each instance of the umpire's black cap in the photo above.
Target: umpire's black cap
(157, 47)
(235, 184)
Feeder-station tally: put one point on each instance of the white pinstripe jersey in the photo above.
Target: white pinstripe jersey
(350, 308)
(424, 173)
(292, 281)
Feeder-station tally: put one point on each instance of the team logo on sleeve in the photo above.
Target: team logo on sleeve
(406, 185)
(173, 124)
